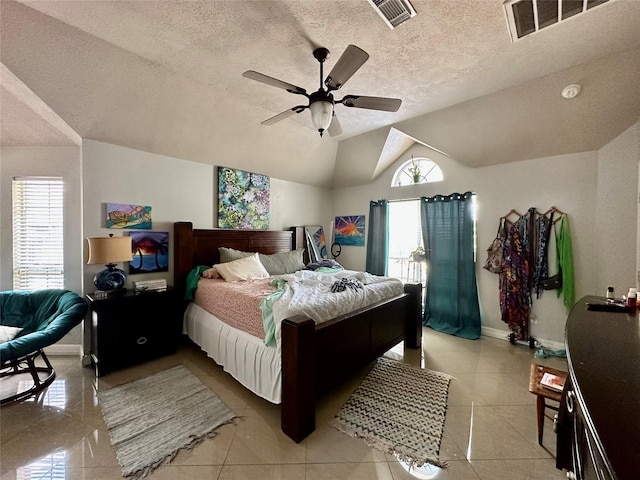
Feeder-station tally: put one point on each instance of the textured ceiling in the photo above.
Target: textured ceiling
(165, 77)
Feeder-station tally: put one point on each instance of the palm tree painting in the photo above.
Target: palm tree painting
(349, 230)
(150, 252)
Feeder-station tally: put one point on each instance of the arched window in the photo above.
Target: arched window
(417, 170)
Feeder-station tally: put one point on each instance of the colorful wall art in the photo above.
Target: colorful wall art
(121, 215)
(150, 252)
(349, 230)
(243, 199)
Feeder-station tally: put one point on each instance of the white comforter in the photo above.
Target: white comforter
(309, 293)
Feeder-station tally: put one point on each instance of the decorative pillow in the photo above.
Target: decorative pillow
(275, 264)
(248, 268)
(285, 262)
(8, 333)
(211, 273)
(231, 254)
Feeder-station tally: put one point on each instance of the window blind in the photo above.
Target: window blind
(38, 242)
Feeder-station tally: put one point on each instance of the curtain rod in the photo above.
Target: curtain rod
(418, 198)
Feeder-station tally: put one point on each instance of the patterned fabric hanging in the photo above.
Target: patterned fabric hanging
(541, 266)
(515, 301)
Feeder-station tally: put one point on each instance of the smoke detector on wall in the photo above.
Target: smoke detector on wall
(393, 12)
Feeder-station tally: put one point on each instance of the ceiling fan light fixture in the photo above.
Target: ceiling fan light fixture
(321, 115)
(321, 102)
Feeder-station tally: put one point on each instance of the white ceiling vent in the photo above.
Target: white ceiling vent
(530, 16)
(393, 12)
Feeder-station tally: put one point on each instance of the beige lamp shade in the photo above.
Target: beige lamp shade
(106, 250)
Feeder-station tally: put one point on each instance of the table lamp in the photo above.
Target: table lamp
(109, 251)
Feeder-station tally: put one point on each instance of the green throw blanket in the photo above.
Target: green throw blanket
(192, 282)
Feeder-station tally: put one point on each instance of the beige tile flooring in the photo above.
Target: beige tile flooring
(490, 429)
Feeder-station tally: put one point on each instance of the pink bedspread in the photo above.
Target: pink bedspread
(235, 303)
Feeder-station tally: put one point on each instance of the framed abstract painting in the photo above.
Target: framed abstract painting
(243, 199)
(122, 215)
(349, 230)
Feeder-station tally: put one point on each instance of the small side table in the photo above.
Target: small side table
(542, 393)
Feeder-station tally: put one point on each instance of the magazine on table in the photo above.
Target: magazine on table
(552, 382)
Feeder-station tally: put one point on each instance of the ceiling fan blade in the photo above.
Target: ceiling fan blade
(334, 127)
(348, 64)
(260, 77)
(372, 103)
(283, 115)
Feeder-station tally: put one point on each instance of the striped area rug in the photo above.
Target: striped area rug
(398, 409)
(151, 419)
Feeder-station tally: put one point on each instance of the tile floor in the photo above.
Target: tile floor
(490, 429)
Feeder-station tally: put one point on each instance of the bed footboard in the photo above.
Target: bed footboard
(316, 359)
(298, 416)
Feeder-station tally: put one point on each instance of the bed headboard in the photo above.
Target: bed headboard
(193, 247)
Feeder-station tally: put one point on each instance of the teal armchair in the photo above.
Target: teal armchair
(43, 317)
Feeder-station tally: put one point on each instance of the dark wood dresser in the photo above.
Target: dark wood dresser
(599, 418)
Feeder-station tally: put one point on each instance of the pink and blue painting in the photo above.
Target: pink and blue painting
(349, 230)
(150, 252)
(243, 199)
(122, 215)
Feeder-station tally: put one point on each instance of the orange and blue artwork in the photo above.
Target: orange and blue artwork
(122, 215)
(349, 230)
(150, 252)
(317, 233)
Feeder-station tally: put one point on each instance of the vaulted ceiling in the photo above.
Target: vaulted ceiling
(166, 77)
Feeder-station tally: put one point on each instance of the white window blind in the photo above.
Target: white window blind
(38, 242)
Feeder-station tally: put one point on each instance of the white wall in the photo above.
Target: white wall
(46, 161)
(569, 182)
(616, 216)
(177, 190)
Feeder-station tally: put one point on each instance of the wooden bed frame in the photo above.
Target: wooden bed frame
(314, 358)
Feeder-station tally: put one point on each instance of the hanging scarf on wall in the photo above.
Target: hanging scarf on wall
(564, 262)
(541, 265)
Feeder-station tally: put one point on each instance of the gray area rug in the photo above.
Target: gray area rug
(398, 409)
(151, 419)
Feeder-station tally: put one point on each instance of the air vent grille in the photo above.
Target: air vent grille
(525, 17)
(393, 12)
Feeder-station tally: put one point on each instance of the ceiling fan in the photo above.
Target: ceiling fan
(321, 102)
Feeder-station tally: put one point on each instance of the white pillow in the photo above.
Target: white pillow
(8, 333)
(248, 268)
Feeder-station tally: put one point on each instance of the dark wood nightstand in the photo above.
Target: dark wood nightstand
(133, 327)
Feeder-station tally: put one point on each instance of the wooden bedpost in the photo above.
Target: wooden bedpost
(413, 321)
(183, 255)
(298, 377)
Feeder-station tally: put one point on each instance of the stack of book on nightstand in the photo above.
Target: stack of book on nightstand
(150, 285)
(102, 294)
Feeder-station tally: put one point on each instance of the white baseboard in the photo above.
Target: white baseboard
(63, 349)
(504, 335)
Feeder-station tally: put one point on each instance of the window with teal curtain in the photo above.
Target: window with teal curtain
(378, 238)
(451, 304)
